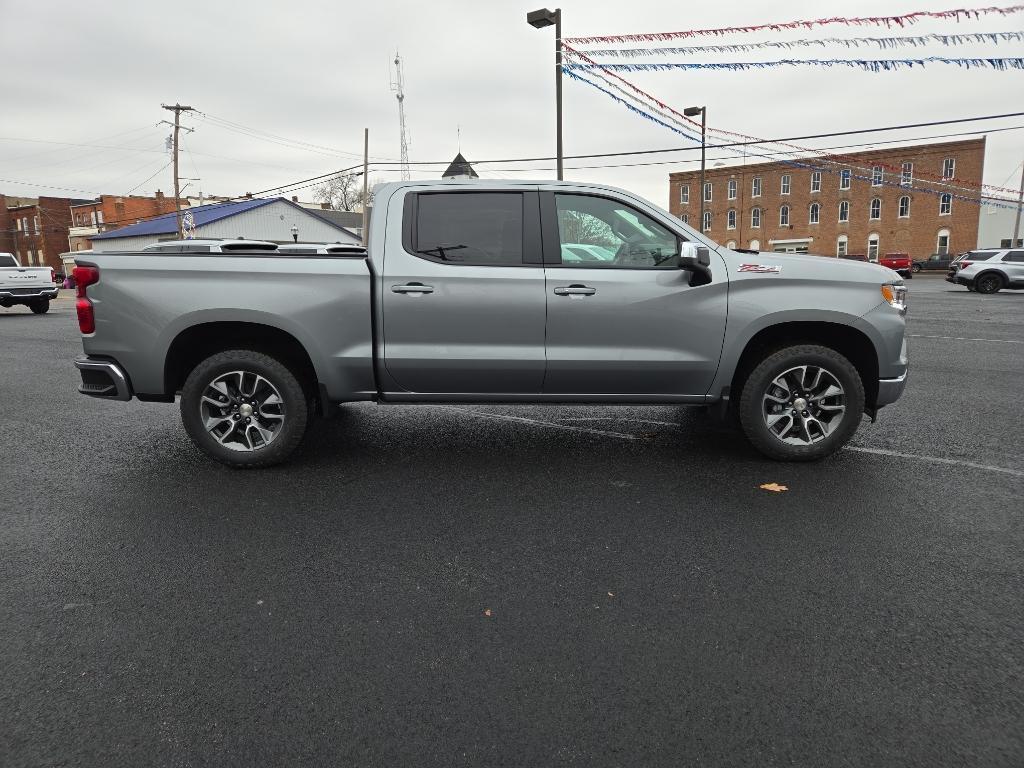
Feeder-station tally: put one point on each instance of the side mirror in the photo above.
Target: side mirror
(694, 258)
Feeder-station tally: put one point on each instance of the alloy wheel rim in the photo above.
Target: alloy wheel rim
(803, 405)
(242, 411)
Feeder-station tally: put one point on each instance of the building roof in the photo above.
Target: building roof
(168, 223)
(202, 215)
(460, 167)
(341, 219)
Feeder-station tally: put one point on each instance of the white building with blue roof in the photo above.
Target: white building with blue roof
(255, 219)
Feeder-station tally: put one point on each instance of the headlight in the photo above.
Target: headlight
(896, 295)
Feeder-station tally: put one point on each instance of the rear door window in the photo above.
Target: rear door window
(473, 228)
(6, 260)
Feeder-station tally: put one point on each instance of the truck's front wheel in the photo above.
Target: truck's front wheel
(244, 408)
(802, 403)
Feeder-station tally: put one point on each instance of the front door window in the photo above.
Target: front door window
(598, 233)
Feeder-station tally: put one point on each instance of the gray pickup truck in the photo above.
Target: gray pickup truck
(496, 292)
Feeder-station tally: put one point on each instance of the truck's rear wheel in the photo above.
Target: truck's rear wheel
(802, 403)
(244, 408)
(40, 306)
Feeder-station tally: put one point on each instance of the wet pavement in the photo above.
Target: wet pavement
(433, 585)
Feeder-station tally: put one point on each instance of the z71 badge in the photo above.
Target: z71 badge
(762, 269)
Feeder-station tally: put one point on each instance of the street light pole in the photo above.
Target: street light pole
(538, 20)
(703, 111)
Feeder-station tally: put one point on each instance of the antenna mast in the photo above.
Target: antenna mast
(398, 86)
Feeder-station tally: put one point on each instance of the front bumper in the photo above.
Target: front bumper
(26, 294)
(103, 379)
(889, 390)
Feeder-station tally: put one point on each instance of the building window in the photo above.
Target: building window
(784, 186)
(41, 258)
(815, 181)
(35, 223)
(755, 187)
(844, 210)
(942, 242)
(707, 220)
(784, 216)
(92, 216)
(732, 189)
(841, 245)
(730, 221)
(905, 207)
(948, 168)
(731, 245)
(945, 204)
(815, 213)
(707, 191)
(755, 245)
(907, 175)
(844, 178)
(872, 247)
(99, 217)
(876, 176)
(31, 259)
(685, 218)
(18, 222)
(876, 208)
(684, 194)
(755, 218)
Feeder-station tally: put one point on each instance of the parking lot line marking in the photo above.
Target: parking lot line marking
(936, 460)
(962, 338)
(626, 436)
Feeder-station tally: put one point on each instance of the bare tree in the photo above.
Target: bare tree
(343, 192)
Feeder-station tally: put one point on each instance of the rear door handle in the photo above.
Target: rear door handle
(575, 290)
(412, 288)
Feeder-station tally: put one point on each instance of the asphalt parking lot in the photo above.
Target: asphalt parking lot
(518, 586)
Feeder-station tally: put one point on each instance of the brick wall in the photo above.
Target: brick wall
(916, 234)
(46, 232)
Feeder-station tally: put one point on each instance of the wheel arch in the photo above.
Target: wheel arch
(850, 342)
(197, 342)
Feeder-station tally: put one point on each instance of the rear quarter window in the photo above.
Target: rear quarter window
(6, 260)
(1014, 256)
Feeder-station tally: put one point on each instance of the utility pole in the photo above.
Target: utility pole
(398, 85)
(1016, 221)
(366, 169)
(177, 109)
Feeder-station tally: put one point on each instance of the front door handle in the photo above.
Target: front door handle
(412, 288)
(575, 290)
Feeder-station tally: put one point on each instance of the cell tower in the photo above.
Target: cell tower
(398, 86)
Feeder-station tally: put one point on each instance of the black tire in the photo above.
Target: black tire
(760, 381)
(40, 306)
(909, 275)
(916, 268)
(294, 408)
(989, 282)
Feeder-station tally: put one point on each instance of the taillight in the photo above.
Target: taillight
(84, 277)
(963, 264)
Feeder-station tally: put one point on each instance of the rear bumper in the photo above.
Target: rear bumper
(889, 390)
(27, 294)
(104, 379)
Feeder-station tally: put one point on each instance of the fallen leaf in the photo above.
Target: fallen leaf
(774, 487)
(487, 611)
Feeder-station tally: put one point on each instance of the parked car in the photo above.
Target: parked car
(32, 287)
(898, 262)
(989, 270)
(464, 297)
(935, 262)
(854, 256)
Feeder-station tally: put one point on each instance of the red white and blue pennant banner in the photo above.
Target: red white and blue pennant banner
(883, 43)
(902, 20)
(868, 65)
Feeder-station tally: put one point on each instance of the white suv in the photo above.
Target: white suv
(989, 270)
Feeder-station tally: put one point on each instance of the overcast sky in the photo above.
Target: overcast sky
(84, 83)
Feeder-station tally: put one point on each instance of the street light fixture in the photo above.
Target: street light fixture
(703, 112)
(295, 233)
(538, 20)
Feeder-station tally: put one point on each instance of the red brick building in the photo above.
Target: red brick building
(35, 230)
(109, 212)
(903, 200)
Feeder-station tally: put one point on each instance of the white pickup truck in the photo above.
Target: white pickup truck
(31, 286)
